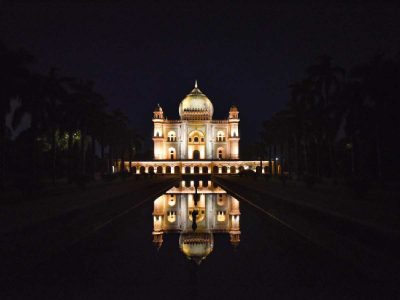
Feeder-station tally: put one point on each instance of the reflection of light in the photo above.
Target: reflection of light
(157, 222)
(235, 222)
(171, 217)
(171, 201)
(216, 212)
(221, 216)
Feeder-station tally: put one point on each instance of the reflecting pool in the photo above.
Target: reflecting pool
(196, 210)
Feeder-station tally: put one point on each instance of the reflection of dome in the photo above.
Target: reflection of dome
(196, 106)
(196, 245)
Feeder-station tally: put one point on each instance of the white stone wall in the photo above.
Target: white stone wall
(184, 150)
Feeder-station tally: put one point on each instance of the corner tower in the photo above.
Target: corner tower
(234, 132)
(158, 134)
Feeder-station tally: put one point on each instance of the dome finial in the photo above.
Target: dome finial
(195, 84)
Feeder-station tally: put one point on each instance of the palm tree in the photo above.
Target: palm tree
(87, 106)
(121, 142)
(55, 93)
(327, 79)
(300, 104)
(135, 141)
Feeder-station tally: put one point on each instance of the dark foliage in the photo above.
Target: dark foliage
(71, 134)
(338, 124)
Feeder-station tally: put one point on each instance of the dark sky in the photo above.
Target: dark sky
(141, 54)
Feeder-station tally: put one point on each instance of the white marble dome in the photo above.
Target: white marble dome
(196, 106)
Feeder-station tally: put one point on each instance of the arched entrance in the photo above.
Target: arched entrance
(205, 170)
(187, 170)
(224, 170)
(233, 169)
(215, 169)
(196, 154)
(142, 170)
(159, 170)
(168, 170)
(177, 170)
(196, 170)
(196, 145)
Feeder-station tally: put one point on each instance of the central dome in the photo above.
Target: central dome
(196, 106)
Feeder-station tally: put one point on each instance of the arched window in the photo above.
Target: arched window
(159, 169)
(196, 136)
(220, 153)
(196, 170)
(220, 136)
(233, 169)
(205, 170)
(171, 136)
(215, 169)
(168, 170)
(224, 170)
(172, 153)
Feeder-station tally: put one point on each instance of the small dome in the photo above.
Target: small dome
(196, 106)
(233, 108)
(196, 245)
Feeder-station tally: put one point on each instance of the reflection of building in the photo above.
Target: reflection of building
(196, 135)
(217, 212)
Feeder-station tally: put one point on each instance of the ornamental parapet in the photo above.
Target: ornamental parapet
(219, 121)
(194, 166)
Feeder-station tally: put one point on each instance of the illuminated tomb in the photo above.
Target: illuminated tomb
(196, 135)
(195, 143)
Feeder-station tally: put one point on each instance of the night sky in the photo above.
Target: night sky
(245, 54)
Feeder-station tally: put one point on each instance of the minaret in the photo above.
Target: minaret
(158, 216)
(158, 138)
(233, 137)
(234, 230)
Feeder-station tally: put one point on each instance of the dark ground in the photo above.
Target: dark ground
(119, 261)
